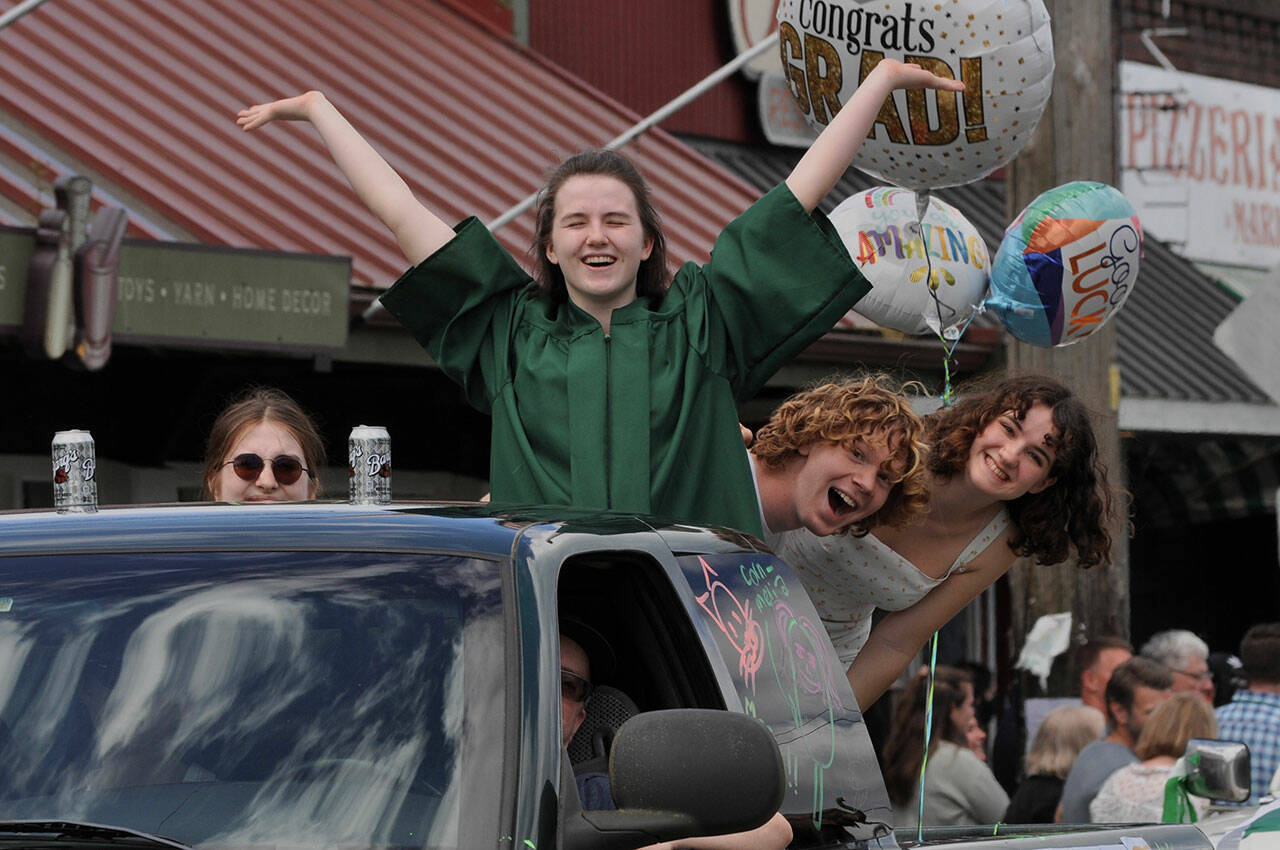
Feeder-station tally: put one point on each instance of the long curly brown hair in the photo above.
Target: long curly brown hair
(653, 277)
(843, 411)
(1074, 511)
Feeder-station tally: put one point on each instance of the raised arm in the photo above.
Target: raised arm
(834, 149)
(897, 638)
(418, 231)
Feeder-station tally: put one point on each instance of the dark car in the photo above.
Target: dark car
(332, 675)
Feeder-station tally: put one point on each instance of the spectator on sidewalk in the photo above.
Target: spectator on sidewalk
(1136, 688)
(1253, 715)
(1063, 734)
(1136, 792)
(1186, 656)
(959, 788)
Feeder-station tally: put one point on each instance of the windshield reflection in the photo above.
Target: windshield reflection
(246, 700)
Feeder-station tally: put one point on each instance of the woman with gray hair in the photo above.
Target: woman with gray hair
(1187, 658)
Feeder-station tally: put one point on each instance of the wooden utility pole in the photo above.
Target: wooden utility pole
(1075, 140)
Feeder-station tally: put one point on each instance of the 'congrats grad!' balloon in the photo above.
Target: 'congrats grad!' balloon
(1066, 264)
(1001, 49)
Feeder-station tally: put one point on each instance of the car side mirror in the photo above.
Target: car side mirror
(1218, 769)
(681, 773)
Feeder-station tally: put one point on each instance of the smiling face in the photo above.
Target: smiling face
(1012, 457)
(835, 486)
(268, 440)
(598, 242)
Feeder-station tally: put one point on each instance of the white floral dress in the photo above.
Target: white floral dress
(849, 577)
(1135, 794)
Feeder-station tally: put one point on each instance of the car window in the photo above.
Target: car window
(239, 699)
(786, 673)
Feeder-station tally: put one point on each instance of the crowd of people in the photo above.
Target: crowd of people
(1106, 756)
(614, 385)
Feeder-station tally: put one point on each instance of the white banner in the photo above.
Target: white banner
(1200, 161)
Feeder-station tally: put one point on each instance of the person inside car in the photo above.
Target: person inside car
(593, 788)
(263, 447)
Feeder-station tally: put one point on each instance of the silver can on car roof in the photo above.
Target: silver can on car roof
(369, 465)
(75, 486)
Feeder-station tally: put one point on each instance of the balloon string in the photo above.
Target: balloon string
(948, 348)
(928, 729)
(922, 206)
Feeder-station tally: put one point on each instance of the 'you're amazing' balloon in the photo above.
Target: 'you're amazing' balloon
(1001, 49)
(921, 278)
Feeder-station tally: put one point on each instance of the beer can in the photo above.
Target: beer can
(75, 488)
(369, 465)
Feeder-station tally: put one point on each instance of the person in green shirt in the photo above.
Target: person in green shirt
(609, 387)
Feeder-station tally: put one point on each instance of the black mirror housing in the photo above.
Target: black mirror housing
(682, 773)
(1218, 770)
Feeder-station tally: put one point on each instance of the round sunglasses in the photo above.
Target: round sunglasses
(286, 468)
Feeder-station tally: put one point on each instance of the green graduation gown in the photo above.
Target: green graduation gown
(642, 419)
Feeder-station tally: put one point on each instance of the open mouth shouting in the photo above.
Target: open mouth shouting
(842, 504)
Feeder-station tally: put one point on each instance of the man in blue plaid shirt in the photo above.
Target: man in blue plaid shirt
(1253, 715)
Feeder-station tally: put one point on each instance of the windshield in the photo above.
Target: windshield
(237, 700)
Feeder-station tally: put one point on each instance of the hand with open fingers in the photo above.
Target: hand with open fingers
(297, 108)
(908, 75)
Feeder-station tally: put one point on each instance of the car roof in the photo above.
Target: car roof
(464, 527)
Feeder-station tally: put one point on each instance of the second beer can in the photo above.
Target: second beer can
(75, 489)
(369, 465)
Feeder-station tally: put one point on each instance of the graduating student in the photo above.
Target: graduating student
(609, 385)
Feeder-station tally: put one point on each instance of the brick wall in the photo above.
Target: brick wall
(1229, 39)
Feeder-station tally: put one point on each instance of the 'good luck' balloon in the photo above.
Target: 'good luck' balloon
(911, 290)
(1066, 264)
(1001, 49)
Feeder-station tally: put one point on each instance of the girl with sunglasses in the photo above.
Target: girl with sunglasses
(263, 448)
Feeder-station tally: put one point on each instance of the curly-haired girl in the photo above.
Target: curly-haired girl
(1013, 471)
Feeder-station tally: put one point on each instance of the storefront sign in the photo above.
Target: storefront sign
(203, 295)
(1201, 163)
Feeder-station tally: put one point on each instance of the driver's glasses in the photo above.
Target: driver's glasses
(573, 687)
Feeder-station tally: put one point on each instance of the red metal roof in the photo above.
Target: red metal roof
(141, 96)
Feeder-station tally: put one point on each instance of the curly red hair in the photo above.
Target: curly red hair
(872, 408)
(1074, 511)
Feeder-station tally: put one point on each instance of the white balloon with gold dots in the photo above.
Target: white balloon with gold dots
(1001, 49)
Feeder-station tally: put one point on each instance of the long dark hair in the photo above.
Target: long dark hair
(652, 278)
(1075, 509)
(904, 750)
